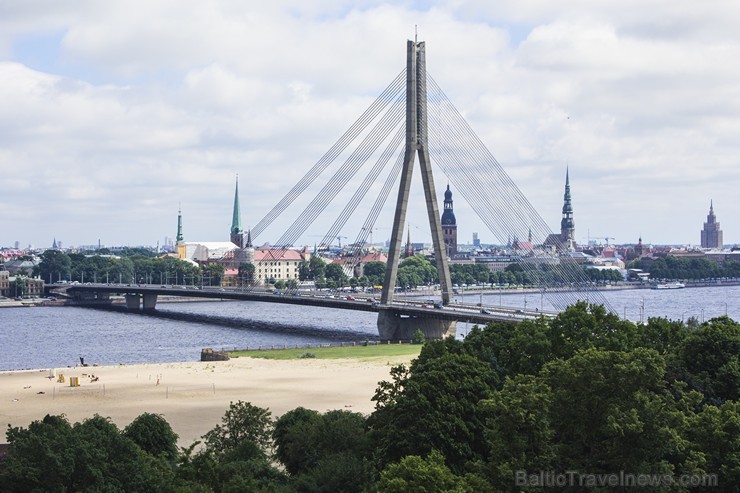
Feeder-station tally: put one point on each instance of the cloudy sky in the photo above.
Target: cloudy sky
(113, 113)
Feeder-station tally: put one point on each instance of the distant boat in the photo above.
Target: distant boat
(670, 285)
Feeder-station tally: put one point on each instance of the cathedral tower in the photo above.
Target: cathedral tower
(449, 225)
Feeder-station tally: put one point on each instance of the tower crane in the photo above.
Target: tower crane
(339, 238)
(606, 238)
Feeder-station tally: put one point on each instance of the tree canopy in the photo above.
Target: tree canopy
(583, 392)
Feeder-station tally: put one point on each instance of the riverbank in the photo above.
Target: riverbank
(193, 396)
(33, 302)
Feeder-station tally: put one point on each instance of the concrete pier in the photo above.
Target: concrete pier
(392, 326)
(133, 302)
(150, 302)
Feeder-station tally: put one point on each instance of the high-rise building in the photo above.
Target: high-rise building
(476, 240)
(711, 235)
(449, 225)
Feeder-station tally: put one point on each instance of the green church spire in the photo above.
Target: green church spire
(237, 233)
(179, 225)
(567, 224)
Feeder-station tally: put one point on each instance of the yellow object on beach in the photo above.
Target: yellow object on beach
(60, 378)
(74, 382)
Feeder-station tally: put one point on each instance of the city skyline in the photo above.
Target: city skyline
(112, 118)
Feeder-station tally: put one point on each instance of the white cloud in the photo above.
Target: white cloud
(112, 114)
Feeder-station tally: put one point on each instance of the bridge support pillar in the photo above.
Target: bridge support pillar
(133, 302)
(391, 326)
(150, 302)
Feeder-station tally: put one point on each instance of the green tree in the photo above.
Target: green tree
(610, 412)
(715, 434)
(154, 435)
(39, 457)
(246, 272)
(54, 265)
(414, 474)
(326, 452)
(335, 272)
(19, 286)
(584, 325)
(245, 467)
(242, 421)
(51, 455)
(519, 432)
(416, 271)
(661, 334)
(374, 272)
(316, 268)
(433, 406)
(710, 358)
(304, 270)
(291, 434)
(213, 274)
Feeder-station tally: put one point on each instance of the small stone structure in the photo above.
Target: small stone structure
(208, 354)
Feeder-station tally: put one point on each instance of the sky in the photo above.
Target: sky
(114, 114)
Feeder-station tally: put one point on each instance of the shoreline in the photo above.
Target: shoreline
(44, 302)
(193, 396)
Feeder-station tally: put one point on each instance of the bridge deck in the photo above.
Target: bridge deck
(456, 311)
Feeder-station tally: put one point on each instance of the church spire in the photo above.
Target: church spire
(567, 225)
(449, 225)
(409, 246)
(181, 247)
(179, 225)
(237, 233)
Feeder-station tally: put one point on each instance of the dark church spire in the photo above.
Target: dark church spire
(409, 246)
(449, 225)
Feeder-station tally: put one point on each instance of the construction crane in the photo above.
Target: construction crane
(339, 238)
(604, 237)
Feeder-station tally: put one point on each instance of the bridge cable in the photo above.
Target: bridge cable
(476, 188)
(371, 142)
(381, 102)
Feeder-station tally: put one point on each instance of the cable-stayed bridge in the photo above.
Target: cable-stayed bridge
(412, 119)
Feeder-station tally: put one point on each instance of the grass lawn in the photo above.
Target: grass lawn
(373, 351)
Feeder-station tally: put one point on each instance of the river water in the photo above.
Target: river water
(44, 337)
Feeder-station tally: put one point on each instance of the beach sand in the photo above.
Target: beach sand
(192, 397)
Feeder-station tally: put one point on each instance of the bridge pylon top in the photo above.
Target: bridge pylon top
(416, 143)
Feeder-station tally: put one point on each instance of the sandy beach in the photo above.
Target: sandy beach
(191, 396)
